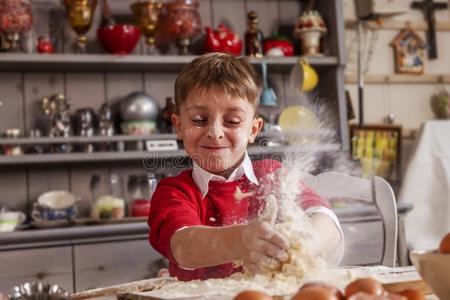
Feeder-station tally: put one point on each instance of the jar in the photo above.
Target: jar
(16, 17)
(108, 194)
(180, 21)
(141, 188)
(12, 150)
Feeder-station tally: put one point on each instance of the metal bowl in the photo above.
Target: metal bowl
(38, 291)
(138, 106)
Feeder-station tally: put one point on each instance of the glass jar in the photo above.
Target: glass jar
(16, 17)
(180, 21)
(108, 197)
(141, 188)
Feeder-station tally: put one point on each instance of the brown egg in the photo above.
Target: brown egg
(329, 287)
(411, 294)
(366, 285)
(444, 246)
(252, 295)
(315, 293)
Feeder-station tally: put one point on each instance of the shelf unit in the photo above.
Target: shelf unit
(92, 79)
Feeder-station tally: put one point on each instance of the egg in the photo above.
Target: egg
(252, 295)
(411, 294)
(444, 246)
(329, 287)
(366, 285)
(315, 293)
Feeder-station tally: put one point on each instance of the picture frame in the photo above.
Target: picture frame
(409, 52)
(378, 148)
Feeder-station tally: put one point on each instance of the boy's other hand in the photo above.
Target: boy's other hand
(263, 247)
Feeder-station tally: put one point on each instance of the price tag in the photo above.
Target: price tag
(161, 145)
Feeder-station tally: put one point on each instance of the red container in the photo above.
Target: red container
(140, 208)
(118, 39)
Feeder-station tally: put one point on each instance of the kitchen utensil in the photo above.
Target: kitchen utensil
(268, 96)
(38, 291)
(9, 220)
(309, 76)
(55, 205)
(118, 39)
(138, 106)
(434, 268)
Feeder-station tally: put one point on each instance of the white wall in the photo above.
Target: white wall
(408, 102)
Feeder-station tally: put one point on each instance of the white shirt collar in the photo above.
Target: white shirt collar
(202, 177)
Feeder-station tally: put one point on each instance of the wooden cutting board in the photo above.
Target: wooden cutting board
(394, 280)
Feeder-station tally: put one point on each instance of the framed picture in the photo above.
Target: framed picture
(378, 148)
(409, 52)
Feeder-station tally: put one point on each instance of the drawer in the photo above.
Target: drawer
(52, 265)
(103, 264)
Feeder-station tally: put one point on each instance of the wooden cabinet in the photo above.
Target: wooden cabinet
(52, 264)
(113, 263)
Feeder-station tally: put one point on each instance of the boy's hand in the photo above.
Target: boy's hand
(263, 247)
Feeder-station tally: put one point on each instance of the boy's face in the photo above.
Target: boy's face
(216, 129)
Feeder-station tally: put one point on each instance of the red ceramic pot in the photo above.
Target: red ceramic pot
(118, 39)
(140, 208)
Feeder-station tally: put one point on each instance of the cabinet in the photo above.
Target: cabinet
(91, 79)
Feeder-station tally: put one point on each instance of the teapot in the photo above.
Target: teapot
(222, 40)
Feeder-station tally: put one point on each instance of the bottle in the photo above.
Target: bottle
(106, 18)
(253, 36)
(165, 119)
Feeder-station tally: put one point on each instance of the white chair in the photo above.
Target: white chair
(377, 191)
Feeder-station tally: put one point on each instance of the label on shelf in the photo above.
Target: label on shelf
(162, 145)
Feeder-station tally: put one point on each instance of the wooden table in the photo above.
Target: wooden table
(394, 280)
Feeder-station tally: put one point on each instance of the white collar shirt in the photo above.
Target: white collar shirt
(202, 177)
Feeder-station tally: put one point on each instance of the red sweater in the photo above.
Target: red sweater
(177, 202)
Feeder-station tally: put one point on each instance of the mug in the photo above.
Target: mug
(10, 219)
(55, 205)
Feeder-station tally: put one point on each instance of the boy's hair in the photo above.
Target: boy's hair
(235, 75)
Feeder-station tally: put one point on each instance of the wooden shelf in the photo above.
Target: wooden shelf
(145, 156)
(388, 24)
(21, 62)
(399, 78)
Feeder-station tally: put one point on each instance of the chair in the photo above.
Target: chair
(377, 191)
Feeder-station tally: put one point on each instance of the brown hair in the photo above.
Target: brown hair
(235, 75)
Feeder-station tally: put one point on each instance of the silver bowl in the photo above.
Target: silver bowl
(38, 291)
(138, 106)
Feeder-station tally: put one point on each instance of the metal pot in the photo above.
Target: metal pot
(138, 106)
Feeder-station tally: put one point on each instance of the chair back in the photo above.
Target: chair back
(358, 230)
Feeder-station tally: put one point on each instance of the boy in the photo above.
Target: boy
(204, 218)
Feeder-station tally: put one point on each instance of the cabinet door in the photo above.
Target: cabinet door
(363, 243)
(51, 265)
(104, 264)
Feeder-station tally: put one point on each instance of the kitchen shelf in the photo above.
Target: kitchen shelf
(21, 62)
(144, 156)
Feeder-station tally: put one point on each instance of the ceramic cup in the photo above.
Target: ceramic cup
(10, 219)
(55, 205)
